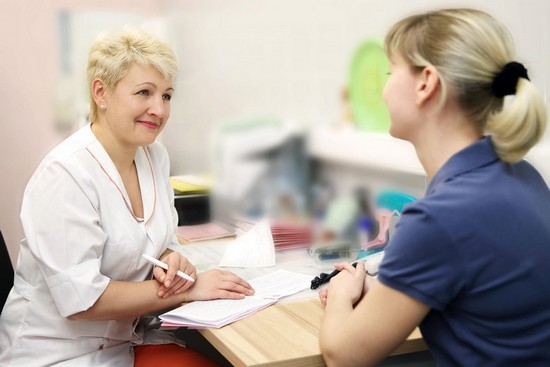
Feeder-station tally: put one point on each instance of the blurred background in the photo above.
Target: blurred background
(283, 72)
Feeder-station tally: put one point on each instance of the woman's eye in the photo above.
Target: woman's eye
(167, 97)
(143, 92)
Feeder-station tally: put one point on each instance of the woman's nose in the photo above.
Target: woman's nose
(159, 107)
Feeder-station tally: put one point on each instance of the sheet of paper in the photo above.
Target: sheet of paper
(255, 248)
(204, 254)
(280, 283)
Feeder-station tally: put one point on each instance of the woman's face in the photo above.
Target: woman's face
(400, 97)
(139, 106)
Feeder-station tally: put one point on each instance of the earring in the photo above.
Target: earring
(102, 106)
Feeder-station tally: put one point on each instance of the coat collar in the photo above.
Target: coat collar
(145, 175)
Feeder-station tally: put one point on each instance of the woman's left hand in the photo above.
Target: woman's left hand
(216, 283)
(170, 282)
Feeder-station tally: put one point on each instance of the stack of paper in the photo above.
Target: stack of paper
(288, 235)
(217, 313)
(285, 234)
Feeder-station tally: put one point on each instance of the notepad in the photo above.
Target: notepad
(217, 313)
(201, 232)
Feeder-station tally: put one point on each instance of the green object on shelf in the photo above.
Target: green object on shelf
(368, 75)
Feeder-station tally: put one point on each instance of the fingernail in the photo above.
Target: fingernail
(167, 284)
(160, 293)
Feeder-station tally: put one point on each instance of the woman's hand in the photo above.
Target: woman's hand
(170, 282)
(216, 283)
(350, 283)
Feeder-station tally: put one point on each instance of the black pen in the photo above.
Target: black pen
(325, 278)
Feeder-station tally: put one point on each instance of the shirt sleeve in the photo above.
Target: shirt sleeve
(421, 259)
(64, 235)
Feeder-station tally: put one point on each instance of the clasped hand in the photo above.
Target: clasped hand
(170, 282)
(350, 283)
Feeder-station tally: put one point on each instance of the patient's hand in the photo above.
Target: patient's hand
(323, 296)
(349, 283)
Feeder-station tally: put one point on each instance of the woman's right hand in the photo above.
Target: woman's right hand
(170, 282)
(349, 283)
(217, 283)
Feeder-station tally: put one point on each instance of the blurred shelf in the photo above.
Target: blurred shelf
(364, 150)
(381, 151)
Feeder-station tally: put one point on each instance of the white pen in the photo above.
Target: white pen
(163, 265)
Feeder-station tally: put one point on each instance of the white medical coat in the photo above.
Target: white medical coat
(80, 234)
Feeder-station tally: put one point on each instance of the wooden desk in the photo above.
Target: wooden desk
(285, 334)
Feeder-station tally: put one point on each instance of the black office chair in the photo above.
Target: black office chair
(6, 272)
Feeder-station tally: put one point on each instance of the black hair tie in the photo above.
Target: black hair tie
(506, 81)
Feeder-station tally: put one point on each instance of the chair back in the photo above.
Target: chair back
(6, 272)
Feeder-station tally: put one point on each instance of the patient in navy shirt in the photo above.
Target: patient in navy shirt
(469, 262)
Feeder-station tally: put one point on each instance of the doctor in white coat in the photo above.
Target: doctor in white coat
(95, 204)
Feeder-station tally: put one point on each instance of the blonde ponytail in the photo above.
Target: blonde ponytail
(520, 125)
(474, 53)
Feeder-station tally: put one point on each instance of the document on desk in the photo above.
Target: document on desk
(217, 313)
(255, 248)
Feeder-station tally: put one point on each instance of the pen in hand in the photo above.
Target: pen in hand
(163, 265)
(325, 278)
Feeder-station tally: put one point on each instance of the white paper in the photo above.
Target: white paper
(280, 283)
(217, 313)
(255, 248)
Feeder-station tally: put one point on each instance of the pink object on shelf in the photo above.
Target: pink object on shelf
(384, 220)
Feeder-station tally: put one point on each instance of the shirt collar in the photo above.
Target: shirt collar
(478, 154)
(144, 170)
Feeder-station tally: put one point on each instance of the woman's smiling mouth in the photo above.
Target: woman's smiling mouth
(149, 124)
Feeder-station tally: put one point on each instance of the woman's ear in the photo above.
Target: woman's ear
(98, 91)
(428, 85)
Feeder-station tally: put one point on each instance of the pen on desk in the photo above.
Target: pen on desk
(163, 265)
(325, 278)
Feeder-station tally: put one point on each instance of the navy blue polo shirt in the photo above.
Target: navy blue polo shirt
(476, 250)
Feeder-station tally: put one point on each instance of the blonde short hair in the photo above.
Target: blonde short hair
(469, 48)
(113, 54)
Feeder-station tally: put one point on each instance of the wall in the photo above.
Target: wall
(291, 58)
(238, 58)
(29, 57)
